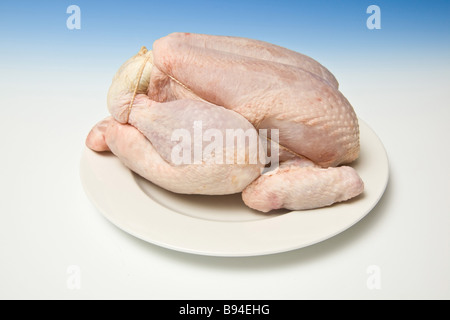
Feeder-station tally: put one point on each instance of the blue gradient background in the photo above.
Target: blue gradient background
(35, 31)
(411, 51)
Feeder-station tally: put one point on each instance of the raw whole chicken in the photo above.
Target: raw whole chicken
(191, 90)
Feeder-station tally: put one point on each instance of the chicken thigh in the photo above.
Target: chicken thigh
(147, 147)
(231, 83)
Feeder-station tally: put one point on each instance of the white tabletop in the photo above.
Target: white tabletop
(54, 244)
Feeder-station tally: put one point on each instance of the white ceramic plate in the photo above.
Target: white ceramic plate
(223, 225)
